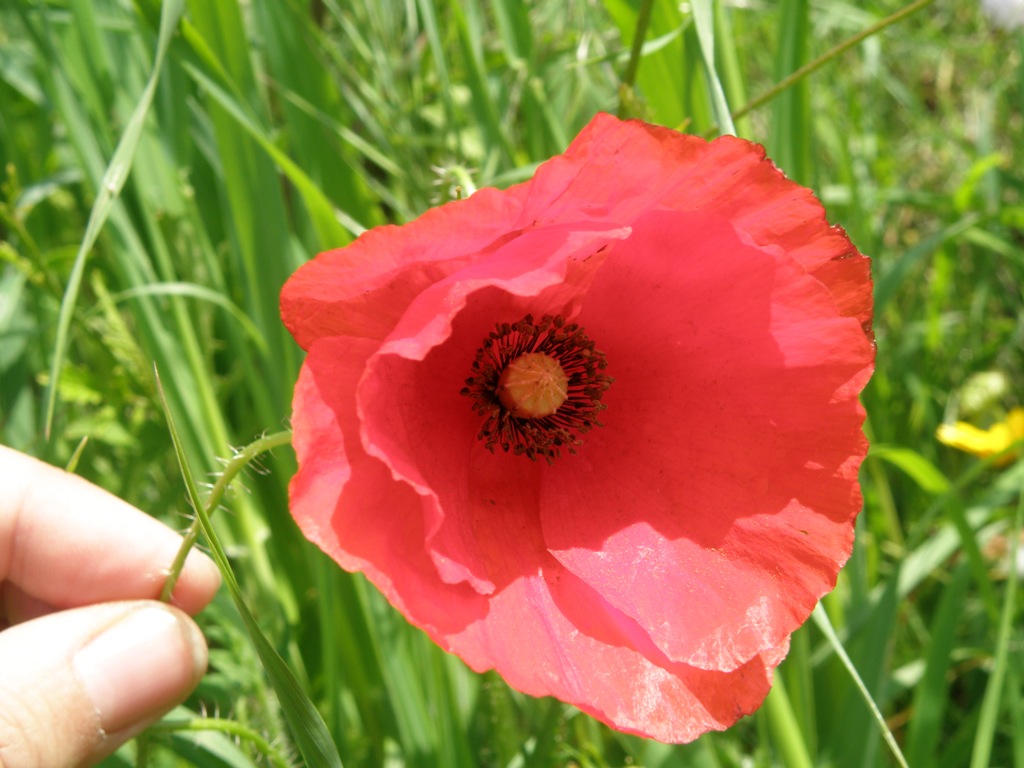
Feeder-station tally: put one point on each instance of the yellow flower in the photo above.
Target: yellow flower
(985, 442)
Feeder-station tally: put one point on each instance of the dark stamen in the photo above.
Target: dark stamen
(583, 365)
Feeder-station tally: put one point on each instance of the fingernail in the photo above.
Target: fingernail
(142, 665)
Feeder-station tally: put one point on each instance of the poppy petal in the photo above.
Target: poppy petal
(658, 168)
(364, 288)
(744, 518)
(346, 502)
(414, 418)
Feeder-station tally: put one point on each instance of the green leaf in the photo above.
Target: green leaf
(821, 620)
(703, 17)
(920, 470)
(992, 703)
(113, 181)
(932, 693)
(305, 723)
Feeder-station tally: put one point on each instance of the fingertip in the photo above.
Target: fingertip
(142, 665)
(78, 545)
(79, 683)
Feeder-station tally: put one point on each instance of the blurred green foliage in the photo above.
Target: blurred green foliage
(279, 129)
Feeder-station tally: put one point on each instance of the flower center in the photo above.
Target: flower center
(533, 386)
(538, 385)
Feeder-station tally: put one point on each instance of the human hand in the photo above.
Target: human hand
(88, 658)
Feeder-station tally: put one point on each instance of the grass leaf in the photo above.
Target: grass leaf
(307, 726)
(113, 180)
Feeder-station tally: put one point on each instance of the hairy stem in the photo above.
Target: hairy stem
(237, 463)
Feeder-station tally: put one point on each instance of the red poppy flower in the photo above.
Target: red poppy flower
(636, 518)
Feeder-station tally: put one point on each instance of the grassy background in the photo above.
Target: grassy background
(163, 207)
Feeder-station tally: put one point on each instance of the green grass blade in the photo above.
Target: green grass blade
(296, 66)
(787, 737)
(113, 181)
(430, 26)
(892, 275)
(822, 622)
(307, 726)
(993, 701)
(790, 135)
(728, 54)
(704, 20)
(201, 293)
(486, 109)
(811, 67)
(923, 472)
(329, 231)
(931, 694)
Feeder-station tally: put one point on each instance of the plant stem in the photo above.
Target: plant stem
(812, 66)
(237, 730)
(785, 728)
(643, 19)
(237, 463)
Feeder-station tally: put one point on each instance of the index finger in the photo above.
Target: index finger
(65, 543)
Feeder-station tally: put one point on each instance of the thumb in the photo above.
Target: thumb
(79, 683)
